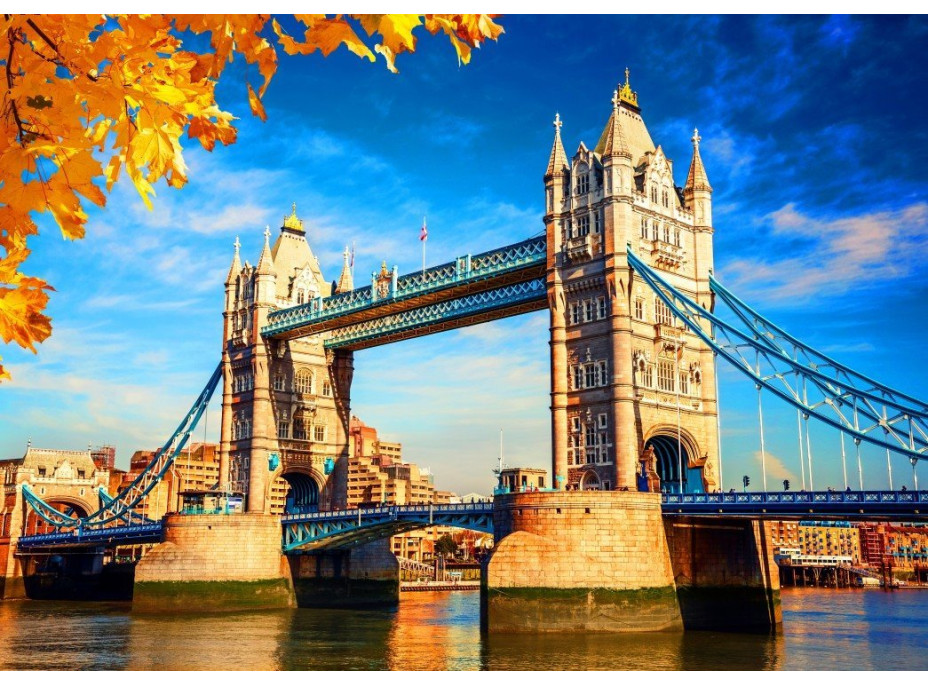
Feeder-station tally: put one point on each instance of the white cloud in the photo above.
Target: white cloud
(830, 257)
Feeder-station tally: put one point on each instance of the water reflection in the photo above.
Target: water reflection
(823, 629)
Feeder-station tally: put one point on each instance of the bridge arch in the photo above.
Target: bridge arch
(72, 506)
(303, 487)
(589, 481)
(669, 459)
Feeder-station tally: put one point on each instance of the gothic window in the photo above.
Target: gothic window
(575, 313)
(647, 375)
(601, 303)
(677, 237)
(639, 308)
(602, 421)
(583, 225)
(590, 310)
(575, 425)
(303, 383)
(319, 433)
(644, 228)
(299, 429)
(583, 183)
(666, 233)
(665, 376)
(300, 297)
(280, 382)
(283, 429)
(570, 228)
(662, 312)
(665, 198)
(589, 376)
(578, 377)
(590, 436)
(597, 222)
(326, 388)
(653, 193)
(684, 383)
(602, 379)
(550, 199)
(566, 185)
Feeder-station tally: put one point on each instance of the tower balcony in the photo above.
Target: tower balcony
(580, 247)
(667, 255)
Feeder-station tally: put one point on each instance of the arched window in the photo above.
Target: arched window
(665, 198)
(300, 297)
(653, 193)
(303, 382)
(644, 228)
(326, 388)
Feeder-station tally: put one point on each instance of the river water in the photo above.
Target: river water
(822, 629)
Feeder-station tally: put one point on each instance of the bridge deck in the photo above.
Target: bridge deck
(859, 505)
(467, 276)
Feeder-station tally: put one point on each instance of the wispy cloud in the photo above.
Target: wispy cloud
(776, 470)
(829, 257)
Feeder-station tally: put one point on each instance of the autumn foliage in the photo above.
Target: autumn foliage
(89, 98)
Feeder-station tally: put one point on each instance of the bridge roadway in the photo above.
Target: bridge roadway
(472, 289)
(348, 528)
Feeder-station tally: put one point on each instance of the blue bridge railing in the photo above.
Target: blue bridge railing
(855, 504)
(136, 533)
(348, 528)
(464, 270)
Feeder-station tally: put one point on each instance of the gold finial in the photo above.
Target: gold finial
(696, 138)
(557, 122)
(293, 222)
(626, 94)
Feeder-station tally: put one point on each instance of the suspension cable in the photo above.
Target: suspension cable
(860, 469)
(843, 460)
(809, 451)
(802, 463)
(763, 449)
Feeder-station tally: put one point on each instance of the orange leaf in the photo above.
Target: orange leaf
(257, 108)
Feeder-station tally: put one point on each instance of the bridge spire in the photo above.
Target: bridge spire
(345, 282)
(557, 162)
(614, 142)
(697, 179)
(236, 264)
(265, 263)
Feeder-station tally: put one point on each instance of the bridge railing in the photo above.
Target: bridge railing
(811, 497)
(467, 268)
(391, 511)
(91, 535)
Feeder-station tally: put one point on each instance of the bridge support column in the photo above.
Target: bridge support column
(725, 574)
(214, 563)
(579, 561)
(366, 576)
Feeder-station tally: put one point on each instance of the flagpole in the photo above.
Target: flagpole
(424, 241)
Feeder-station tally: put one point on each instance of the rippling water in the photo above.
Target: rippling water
(822, 629)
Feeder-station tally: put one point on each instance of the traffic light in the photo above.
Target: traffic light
(746, 480)
(785, 484)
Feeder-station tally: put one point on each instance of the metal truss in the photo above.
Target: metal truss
(350, 528)
(870, 505)
(467, 271)
(426, 319)
(119, 508)
(818, 386)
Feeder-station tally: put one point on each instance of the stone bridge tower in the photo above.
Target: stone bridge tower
(633, 393)
(285, 404)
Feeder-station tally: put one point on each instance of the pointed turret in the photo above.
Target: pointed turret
(236, 264)
(557, 162)
(265, 262)
(614, 141)
(345, 282)
(697, 180)
(697, 192)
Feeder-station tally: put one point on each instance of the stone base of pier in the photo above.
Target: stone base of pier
(725, 574)
(211, 563)
(365, 576)
(580, 561)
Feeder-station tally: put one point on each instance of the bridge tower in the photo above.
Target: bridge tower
(286, 404)
(633, 394)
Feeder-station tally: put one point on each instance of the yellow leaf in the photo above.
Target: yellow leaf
(21, 318)
(256, 107)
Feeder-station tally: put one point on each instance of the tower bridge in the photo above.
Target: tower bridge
(634, 529)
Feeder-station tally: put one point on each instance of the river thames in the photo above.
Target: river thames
(822, 629)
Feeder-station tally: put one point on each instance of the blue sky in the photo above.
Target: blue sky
(812, 135)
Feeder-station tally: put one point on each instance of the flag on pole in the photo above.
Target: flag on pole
(424, 233)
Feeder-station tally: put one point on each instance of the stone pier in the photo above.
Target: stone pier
(725, 574)
(579, 561)
(215, 562)
(366, 576)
